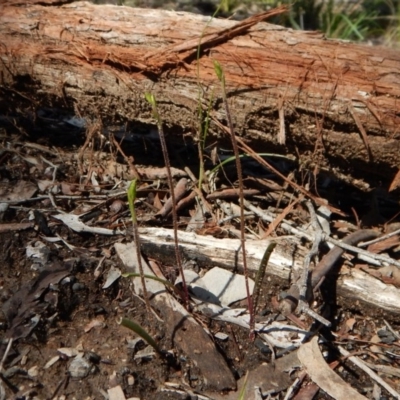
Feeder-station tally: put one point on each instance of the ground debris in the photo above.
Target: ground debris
(63, 323)
(187, 335)
(29, 301)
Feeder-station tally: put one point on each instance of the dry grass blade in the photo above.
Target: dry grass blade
(135, 327)
(261, 273)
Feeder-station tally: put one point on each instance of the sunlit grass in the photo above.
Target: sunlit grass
(363, 20)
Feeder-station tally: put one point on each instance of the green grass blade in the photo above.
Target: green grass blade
(218, 71)
(243, 388)
(352, 27)
(135, 327)
(132, 198)
(151, 99)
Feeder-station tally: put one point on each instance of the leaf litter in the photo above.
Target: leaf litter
(66, 242)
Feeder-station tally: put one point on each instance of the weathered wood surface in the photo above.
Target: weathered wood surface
(357, 287)
(100, 60)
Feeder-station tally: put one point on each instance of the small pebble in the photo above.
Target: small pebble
(134, 343)
(124, 371)
(33, 372)
(221, 336)
(80, 367)
(117, 206)
(131, 380)
(78, 286)
(68, 280)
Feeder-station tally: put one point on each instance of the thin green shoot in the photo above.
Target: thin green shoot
(260, 275)
(221, 77)
(131, 200)
(139, 330)
(203, 138)
(353, 27)
(152, 101)
(152, 277)
(244, 386)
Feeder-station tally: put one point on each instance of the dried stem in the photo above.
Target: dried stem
(221, 77)
(136, 236)
(151, 99)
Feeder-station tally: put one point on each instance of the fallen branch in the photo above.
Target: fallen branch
(208, 251)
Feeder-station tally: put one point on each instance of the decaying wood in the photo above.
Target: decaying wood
(355, 285)
(338, 101)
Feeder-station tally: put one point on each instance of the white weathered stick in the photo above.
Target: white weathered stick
(209, 251)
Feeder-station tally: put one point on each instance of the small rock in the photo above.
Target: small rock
(116, 393)
(386, 336)
(117, 206)
(80, 367)
(220, 286)
(131, 380)
(124, 371)
(221, 336)
(33, 372)
(68, 280)
(78, 286)
(113, 380)
(264, 348)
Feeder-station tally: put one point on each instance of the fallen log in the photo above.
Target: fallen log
(331, 103)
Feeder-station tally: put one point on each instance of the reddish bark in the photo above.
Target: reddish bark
(337, 101)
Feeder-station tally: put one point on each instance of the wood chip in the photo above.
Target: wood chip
(311, 357)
